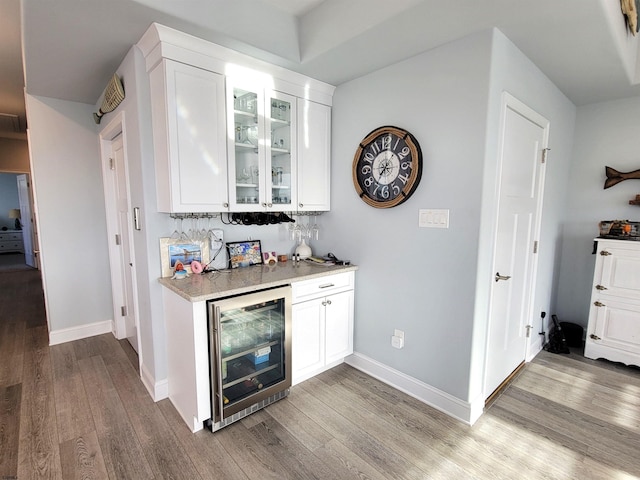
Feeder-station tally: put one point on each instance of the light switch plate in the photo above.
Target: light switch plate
(434, 218)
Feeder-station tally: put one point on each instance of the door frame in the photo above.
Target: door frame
(508, 101)
(115, 127)
(30, 258)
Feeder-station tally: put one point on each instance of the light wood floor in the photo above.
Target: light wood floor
(79, 411)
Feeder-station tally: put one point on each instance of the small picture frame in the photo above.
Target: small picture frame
(172, 251)
(244, 254)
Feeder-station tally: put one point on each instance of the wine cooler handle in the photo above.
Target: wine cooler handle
(216, 332)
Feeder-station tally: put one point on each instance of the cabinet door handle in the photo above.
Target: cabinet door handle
(326, 285)
(594, 337)
(604, 253)
(600, 287)
(599, 304)
(502, 277)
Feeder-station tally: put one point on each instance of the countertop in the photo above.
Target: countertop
(238, 281)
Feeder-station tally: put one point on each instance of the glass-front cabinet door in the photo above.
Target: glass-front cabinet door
(282, 148)
(246, 156)
(261, 139)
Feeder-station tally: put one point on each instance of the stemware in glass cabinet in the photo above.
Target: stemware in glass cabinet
(282, 145)
(247, 138)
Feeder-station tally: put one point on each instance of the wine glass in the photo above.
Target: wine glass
(315, 229)
(176, 233)
(202, 234)
(183, 236)
(193, 230)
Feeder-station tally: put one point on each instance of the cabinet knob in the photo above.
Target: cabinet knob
(269, 205)
(300, 205)
(604, 253)
(225, 205)
(599, 304)
(594, 337)
(600, 287)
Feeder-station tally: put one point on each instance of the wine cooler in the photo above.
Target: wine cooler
(250, 346)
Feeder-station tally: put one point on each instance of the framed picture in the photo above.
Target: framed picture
(172, 251)
(243, 254)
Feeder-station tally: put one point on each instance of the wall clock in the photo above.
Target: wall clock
(387, 167)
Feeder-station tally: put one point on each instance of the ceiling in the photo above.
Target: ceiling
(71, 47)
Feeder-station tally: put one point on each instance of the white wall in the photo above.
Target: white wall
(132, 118)
(606, 135)
(513, 72)
(65, 164)
(418, 280)
(434, 284)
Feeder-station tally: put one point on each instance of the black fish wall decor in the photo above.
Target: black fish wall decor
(614, 177)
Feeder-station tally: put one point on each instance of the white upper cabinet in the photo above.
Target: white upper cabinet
(260, 143)
(314, 156)
(189, 132)
(262, 148)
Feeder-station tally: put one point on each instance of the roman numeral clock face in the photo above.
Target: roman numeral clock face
(387, 167)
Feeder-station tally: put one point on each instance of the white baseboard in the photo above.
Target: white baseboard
(157, 390)
(534, 349)
(83, 331)
(452, 406)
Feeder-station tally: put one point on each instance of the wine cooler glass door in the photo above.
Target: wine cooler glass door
(252, 361)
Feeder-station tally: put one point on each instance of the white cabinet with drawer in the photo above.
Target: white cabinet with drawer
(614, 317)
(11, 241)
(322, 329)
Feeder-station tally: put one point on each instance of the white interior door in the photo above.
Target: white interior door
(523, 146)
(128, 311)
(24, 198)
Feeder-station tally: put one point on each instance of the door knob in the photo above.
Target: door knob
(502, 277)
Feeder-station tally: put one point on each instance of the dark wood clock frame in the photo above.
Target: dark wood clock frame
(387, 167)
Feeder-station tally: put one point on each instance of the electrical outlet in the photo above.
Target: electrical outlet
(397, 339)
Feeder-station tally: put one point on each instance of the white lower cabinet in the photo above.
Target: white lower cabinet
(613, 331)
(322, 329)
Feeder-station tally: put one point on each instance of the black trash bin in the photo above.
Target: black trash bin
(572, 333)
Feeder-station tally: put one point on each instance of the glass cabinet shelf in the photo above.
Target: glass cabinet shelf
(250, 377)
(244, 352)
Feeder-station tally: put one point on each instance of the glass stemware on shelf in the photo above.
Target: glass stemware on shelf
(198, 228)
(298, 231)
(178, 231)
